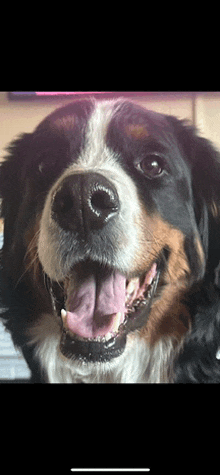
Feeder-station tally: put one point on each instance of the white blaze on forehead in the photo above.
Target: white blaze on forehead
(95, 151)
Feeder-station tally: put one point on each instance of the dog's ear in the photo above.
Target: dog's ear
(206, 190)
(204, 161)
(11, 183)
(12, 167)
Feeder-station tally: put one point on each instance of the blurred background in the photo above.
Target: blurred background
(22, 113)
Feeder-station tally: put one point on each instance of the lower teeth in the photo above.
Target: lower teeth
(138, 303)
(100, 339)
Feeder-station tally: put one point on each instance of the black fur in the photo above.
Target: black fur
(197, 363)
(24, 183)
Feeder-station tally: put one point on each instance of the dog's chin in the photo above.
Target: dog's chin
(98, 307)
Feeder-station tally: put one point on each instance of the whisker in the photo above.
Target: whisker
(32, 244)
(31, 264)
(31, 251)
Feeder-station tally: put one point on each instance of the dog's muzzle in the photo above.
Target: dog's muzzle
(84, 203)
(99, 303)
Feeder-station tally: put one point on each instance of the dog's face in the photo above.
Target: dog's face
(106, 224)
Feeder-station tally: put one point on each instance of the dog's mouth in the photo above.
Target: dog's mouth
(99, 306)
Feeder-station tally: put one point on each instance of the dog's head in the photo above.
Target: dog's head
(109, 210)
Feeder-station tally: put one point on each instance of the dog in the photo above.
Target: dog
(109, 267)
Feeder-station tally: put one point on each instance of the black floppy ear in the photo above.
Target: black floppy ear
(204, 161)
(206, 174)
(11, 185)
(206, 189)
(197, 361)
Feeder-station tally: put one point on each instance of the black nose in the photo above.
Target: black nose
(85, 202)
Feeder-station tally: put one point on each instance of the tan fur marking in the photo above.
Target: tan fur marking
(155, 234)
(66, 123)
(136, 131)
(168, 316)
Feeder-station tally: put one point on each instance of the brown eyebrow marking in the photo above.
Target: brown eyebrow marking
(137, 131)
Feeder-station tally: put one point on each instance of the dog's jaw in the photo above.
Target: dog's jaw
(134, 365)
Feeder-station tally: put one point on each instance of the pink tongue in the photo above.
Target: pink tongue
(92, 309)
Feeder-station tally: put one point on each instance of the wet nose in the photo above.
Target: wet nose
(85, 202)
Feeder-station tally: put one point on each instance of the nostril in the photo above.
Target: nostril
(63, 203)
(103, 200)
(98, 200)
(103, 203)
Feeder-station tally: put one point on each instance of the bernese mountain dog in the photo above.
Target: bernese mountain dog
(109, 267)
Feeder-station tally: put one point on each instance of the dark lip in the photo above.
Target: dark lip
(104, 351)
(92, 351)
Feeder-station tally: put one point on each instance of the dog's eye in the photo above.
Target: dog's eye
(151, 166)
